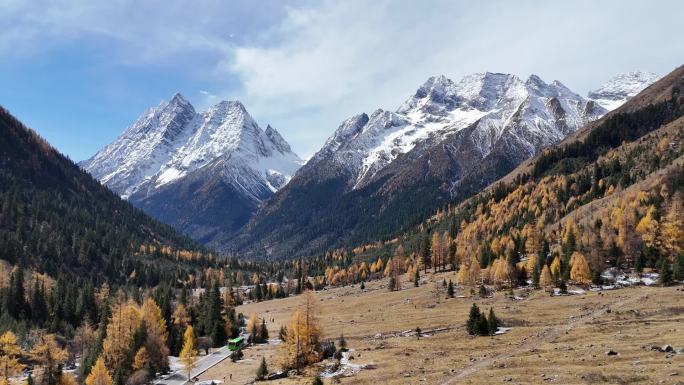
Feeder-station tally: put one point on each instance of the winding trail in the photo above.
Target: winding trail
(547, 335)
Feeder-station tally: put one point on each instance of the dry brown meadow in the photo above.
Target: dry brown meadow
(562, 340)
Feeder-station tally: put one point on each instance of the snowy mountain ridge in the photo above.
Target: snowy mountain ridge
(620, 88)
(377, 172)
(540, 113)
(172, 140)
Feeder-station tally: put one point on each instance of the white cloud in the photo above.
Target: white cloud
(307, 66)
(321, 64)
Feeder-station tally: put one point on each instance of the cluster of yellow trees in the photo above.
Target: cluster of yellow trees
(46, 352)
(127, 320)
(501, 273)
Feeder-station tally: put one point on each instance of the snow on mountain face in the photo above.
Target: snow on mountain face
(620, 88)
(172, 140)
(536, 113)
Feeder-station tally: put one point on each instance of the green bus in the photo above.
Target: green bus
(236, 343)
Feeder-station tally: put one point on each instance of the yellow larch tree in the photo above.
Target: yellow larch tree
(99, 375)
(157, 335)
(67, 379)
(188, 353)
(531, 263)
(673, 226)
(648, 227)
(545, 279)
(254, 326)
(142, 359)
(120, 331)
(502, 273)
(388, 268)
(180, 316)
(9, 356)
(462, 277)
(303, 335)
(474, 272)
(555, 266)
(579, 271)
(49, 356)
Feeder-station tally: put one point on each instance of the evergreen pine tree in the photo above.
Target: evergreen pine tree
(263, 331)
(492, 322)
(343, 343)
(473, 318)
(535, 276)
(262, 371)
(665, 272)
(482, 326)
(450, 289)
(483, 291)
(678, 268)
(639, 263)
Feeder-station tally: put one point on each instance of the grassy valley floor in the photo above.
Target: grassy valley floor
(561, 340)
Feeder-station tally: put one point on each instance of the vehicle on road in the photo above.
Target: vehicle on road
(236, 343)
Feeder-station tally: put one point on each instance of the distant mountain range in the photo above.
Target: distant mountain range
(202, 172)
(218, 177)
(380, 172)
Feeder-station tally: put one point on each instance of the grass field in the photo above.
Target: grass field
(561, 340)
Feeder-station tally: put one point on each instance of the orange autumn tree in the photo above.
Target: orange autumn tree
(157, 335)
(302, 342)
(50, 356)
(9, 356)
(188, 353)
(99, 375)
(545, 279)
(120, 331)
(579, 271)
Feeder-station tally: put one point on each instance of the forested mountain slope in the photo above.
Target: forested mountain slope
(57, 219)
(386, 171)
(612, 195)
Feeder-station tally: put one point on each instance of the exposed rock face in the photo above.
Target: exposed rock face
(382, 171)
(204, 173)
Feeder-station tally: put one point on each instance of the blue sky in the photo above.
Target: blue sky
(80, 71)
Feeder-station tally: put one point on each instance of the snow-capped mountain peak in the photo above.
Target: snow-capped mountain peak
(172, 140)
(621, 87)
(490, 104)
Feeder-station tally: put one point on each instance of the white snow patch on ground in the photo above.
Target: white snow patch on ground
(501, 330)
(346, 368)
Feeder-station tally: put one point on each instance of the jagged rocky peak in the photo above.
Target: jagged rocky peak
(277, 139)
(173, 140)
(536, 112)
(618, 89)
